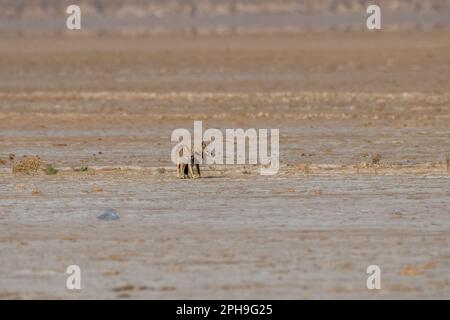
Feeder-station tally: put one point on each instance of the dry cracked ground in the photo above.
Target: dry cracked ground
(364, 177)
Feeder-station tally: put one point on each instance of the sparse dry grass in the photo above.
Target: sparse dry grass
(376, 159)
(81, 169)
(27, 165)
(36, 192)
(307, 169)
(361, 165)
(96, 188)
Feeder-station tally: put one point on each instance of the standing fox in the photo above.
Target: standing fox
(186, 163)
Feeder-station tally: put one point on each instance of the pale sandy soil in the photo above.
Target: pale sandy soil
(309, 232)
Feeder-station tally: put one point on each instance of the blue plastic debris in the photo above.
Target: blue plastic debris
(108, 215)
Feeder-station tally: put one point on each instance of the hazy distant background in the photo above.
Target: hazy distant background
(218, 16)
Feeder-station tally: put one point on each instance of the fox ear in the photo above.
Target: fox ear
(205, 144)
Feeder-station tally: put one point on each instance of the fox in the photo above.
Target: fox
(186, 164)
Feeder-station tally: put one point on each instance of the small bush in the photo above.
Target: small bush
(50, 170)
(376, 159)
(36, 192)
(161, 170)
(28, 164)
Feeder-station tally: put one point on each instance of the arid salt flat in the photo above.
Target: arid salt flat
(364, 136)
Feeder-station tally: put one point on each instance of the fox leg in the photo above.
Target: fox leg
(178, 170)
(197, 166)
(185, 171)
(190, 171)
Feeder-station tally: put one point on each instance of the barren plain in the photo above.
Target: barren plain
(364, 178)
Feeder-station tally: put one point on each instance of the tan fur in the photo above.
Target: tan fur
(186, 170)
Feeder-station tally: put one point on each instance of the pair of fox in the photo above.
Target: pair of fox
(186, 163)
